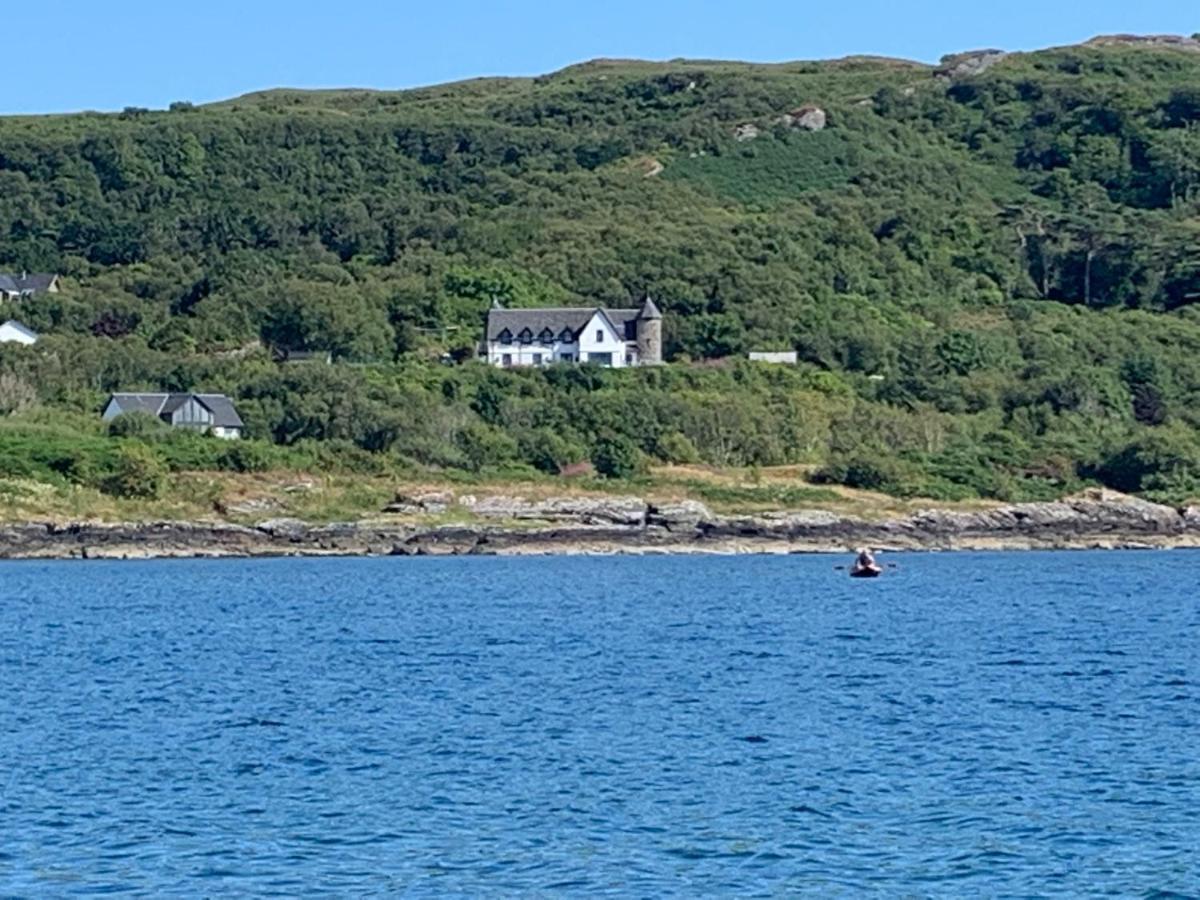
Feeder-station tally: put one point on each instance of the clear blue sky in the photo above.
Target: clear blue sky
(90, 54)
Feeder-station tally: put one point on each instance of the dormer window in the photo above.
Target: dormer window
(567, 337)
(547, 336)
(526, 336)
(506, 336)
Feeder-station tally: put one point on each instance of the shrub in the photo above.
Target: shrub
(484, 446)
(136, 424)
(616, 456)
(137, 472)
(676, 447)
(245, 456)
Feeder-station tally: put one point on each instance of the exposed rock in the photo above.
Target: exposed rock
(428, 503)
(1168, 41)
(685, 514)
(628, 525)
(747, 131)
(965, 65)
(291, 529)
(584, 510)
(810, 118)
(254, 506)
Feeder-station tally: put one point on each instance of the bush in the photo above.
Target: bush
(245, 456)
(484, 446)
(136, 424)
(616, 456)
(548, 451)
(862, 472)
(676, 447)
(137, 472)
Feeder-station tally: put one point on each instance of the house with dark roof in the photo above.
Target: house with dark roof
(14, 287)
(209, 413)
(596, 335)
(13, 332)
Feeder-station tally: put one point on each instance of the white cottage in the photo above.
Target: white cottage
(607, 337)
(13, 332)
(211, 413)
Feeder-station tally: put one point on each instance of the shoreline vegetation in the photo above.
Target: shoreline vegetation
(986, 272)
(681, 510)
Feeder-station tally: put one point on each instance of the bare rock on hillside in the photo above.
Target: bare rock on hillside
(1168, 41)
(965, 65)
(747, 131)
(808, 118)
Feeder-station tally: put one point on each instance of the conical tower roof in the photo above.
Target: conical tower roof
(649, 310)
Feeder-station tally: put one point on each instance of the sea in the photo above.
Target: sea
(971, 724)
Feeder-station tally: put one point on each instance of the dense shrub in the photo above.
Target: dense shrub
(617, 457)
(136, 472)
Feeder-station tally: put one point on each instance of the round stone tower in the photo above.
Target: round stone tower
(649, 334)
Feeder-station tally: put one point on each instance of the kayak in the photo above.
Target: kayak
(866, 571)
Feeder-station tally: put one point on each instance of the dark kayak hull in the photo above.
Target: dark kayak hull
(866, 572)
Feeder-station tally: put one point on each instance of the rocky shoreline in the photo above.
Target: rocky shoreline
(515, 526)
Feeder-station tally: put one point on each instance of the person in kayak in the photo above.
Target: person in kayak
(865, 560)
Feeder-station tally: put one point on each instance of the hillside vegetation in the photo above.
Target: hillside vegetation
(989, 270)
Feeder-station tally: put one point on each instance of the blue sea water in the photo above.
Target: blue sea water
(969, 725)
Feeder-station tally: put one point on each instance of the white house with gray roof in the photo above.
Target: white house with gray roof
(616, 338)
(210, 413)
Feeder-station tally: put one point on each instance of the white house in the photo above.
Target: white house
(13, 332)
(607, 337)
(211, 413)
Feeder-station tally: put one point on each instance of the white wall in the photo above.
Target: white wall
(598, 336)
(523, 354)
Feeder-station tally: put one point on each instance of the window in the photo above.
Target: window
(526, 336)
(567, 337)
(506, 336)
(629, 359)
(506, 360)
(547, 336)
(537, 359)
(599, 335)
(567, 357)
(600, 359)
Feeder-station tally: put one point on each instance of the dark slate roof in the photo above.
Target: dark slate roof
(649, 310)
(143, 403)
(572, 319)
(31, 282)
(224, 413)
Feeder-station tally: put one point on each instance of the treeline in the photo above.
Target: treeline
(989, 279)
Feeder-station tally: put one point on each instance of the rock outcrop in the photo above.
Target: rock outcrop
(973, 62)
(514, 525)
(808, 118)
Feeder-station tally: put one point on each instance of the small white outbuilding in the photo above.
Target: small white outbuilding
(13, 332)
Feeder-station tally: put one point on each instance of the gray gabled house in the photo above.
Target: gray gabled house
(210, 413)
(14, 287)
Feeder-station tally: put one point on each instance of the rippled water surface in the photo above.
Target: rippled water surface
(968, 725)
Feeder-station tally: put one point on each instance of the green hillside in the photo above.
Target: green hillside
(989, 269)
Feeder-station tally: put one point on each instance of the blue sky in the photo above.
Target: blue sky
(85, 54)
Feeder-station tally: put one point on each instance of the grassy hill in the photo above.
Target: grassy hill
(988, 267)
